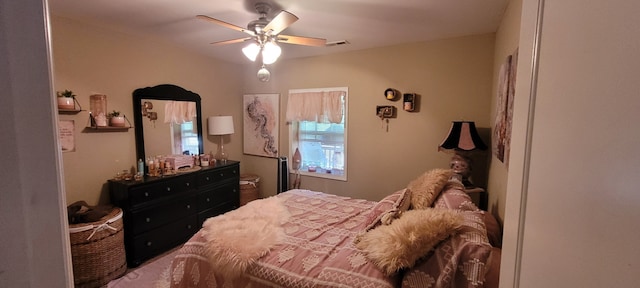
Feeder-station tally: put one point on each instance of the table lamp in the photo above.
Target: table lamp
(463, 138)
(220, 126)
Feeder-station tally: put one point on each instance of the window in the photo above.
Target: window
(180, 115)
(185, 140)
(318, 129)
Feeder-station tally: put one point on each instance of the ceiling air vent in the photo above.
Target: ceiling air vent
(337, 43)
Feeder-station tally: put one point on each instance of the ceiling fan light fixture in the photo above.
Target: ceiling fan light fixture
(263, 74)
(251, 51)
(270, 52)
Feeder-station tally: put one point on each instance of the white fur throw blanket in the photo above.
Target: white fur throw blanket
(236, 239)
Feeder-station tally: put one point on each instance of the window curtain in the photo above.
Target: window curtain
(179, 112)
(320, 106)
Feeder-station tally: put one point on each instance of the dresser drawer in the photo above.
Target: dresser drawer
(219, 195)
(156, 241)
(215, 211)
(145, 193)
(147, 219)
(216, 175)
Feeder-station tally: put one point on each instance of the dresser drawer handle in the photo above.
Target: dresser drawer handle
(208, 199)
(189, 226)
(207, 178)
(149, 243)
(188, 184)
(188, 206)
(221, 174)
(146, 194)
(148, 220)
(168, 189)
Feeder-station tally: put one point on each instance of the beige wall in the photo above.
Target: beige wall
(453, 78)
(89, 59)
(507, 38)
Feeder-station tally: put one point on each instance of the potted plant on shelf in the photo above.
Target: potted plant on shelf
(115, 119)
(66, 100)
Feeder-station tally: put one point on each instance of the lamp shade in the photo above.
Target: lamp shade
(270, 53)
(251, 51)
(220, 125)
(463, 136)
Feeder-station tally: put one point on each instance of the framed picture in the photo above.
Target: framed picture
(66, 133)
(504, 110)
(260, 120)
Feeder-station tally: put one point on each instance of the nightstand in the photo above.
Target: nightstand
(479, 197)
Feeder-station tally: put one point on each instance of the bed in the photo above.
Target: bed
(429, 234)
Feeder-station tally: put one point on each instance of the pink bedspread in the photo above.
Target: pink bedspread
(317, 251)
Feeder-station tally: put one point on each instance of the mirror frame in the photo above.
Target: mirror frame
(162, 92)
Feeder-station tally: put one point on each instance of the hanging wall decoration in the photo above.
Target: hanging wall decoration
(66, 134)
(261, 118)
(504, 112)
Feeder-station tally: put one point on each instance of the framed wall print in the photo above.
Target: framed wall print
(66, 134)
(260, 120)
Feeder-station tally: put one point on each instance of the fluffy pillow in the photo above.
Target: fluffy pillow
(427, 186)
(389, 208)
(408, 238)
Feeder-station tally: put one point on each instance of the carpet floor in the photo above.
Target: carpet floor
(146, 274)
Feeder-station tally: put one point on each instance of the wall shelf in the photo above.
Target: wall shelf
(92, 127)
(106, 129)
(69, 111)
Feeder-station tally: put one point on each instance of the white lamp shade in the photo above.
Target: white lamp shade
(270, 53)
(220, 125)
(251, 51)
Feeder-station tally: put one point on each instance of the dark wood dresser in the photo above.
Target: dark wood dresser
(163, 212)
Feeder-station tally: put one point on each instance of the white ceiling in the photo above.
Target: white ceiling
(363, 23)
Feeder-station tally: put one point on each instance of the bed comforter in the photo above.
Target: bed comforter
(317, 250)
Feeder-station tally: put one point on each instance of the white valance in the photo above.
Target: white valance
(318, 106)
(179, 111)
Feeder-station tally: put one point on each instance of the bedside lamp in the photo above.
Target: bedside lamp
(463, 138)
(220, 126)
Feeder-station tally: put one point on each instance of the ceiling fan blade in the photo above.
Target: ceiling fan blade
(280, 22)
(225, 24)
(232, 41)
(308, 41)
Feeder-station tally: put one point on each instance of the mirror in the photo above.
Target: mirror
(154, 136)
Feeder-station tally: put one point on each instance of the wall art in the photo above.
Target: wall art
(260, 120)
(66, 134)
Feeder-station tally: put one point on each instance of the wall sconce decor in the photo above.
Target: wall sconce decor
(146, 111)
(463, 138)
(391, 94)
(385, 112)
(220, 126)
(409, 102)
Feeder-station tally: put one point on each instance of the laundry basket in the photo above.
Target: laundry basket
(249, 188)
(97, 250)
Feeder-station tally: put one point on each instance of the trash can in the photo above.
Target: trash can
(249, 188)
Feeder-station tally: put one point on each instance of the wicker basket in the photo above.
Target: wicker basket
(97, 250)
(249, 187)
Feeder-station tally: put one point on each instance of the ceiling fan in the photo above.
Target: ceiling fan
(265, 34)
